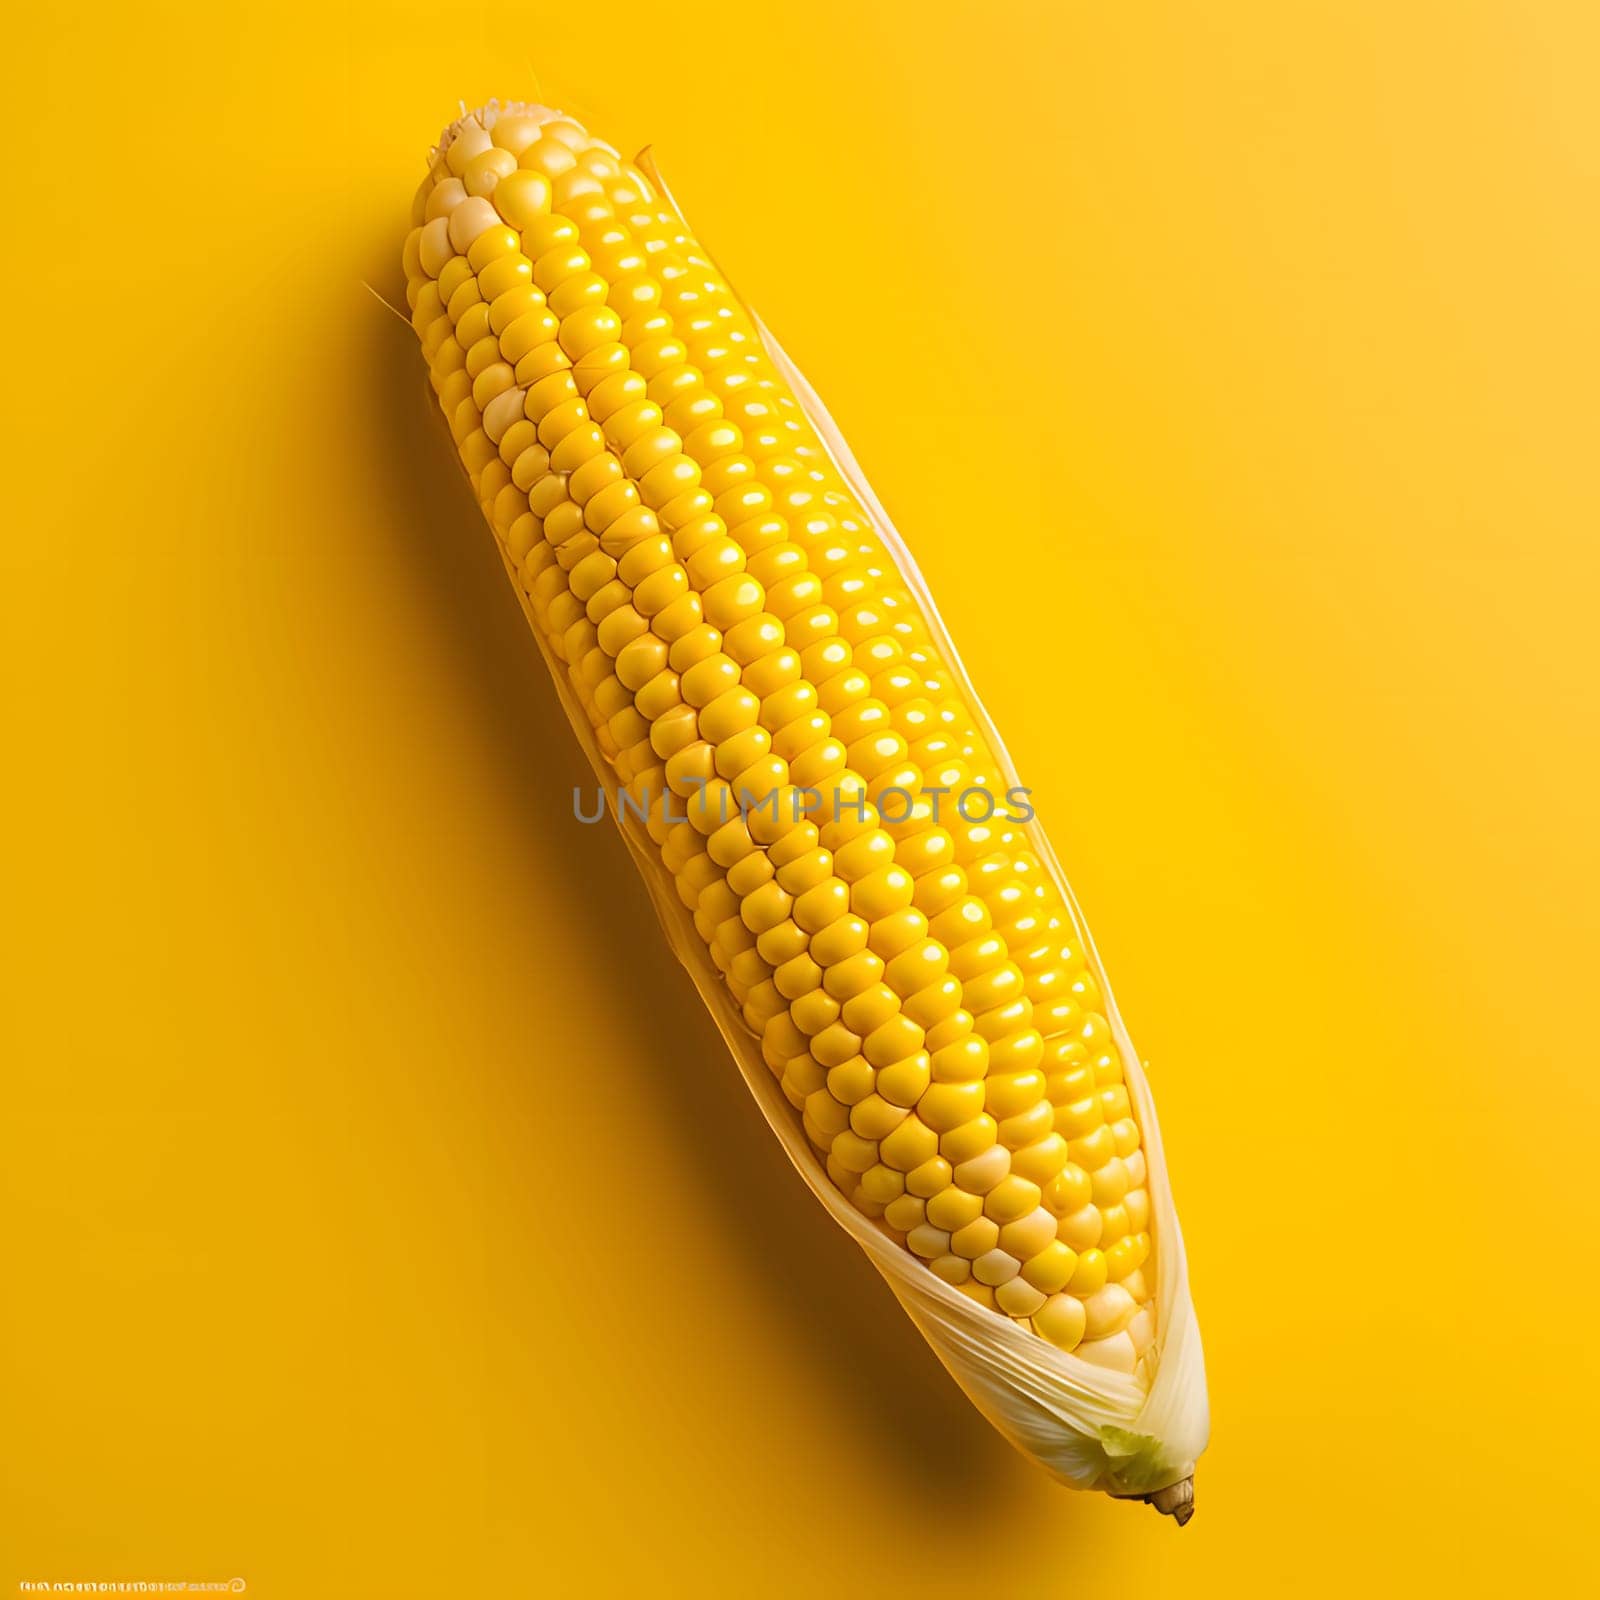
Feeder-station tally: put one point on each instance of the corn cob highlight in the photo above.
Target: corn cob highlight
(787, 740)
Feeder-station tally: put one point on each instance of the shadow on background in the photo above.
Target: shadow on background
(889, 1382)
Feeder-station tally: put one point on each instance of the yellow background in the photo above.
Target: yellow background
(381, 1214)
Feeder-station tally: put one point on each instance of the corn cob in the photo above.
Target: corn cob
(791, 749)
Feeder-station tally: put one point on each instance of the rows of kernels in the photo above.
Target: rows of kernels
(704, 928)
(1012, 885)
(897, 1104)
(871, 709)
(871, 1114)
